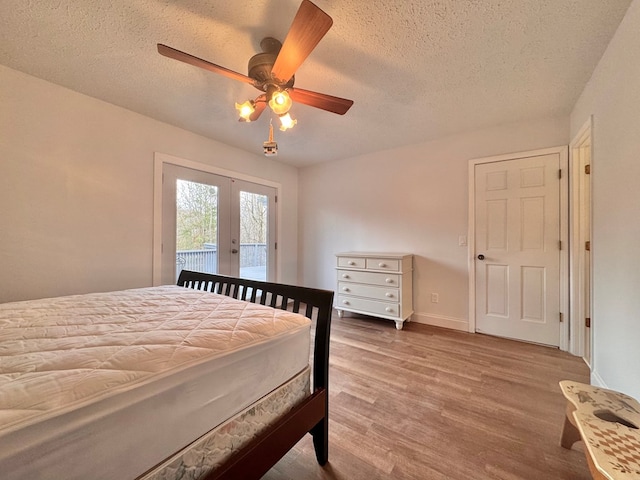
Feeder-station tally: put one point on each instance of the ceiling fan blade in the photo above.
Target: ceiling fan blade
(321, 100)
(198, 62)
(307, 29)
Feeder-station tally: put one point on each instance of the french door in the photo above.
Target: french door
(216, 224)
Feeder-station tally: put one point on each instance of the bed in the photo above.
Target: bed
(209, 378)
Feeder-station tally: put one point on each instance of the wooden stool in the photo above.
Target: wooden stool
(607, 422)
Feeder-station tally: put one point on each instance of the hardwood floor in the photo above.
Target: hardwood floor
(430, 403)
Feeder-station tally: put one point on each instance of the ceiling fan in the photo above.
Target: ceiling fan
(272, 71)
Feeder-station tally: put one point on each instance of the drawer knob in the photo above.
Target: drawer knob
(389, 309)
(389, 280)
(351, 262)
(345, 289)
(382, 265)
(346, 302)
(344, 275)
(389, 294)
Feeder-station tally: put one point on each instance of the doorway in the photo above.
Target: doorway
(213, 223)
(518, 246)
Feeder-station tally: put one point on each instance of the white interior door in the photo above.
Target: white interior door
(517, 237)
(216, 224)
(581, 247)
(585, 202)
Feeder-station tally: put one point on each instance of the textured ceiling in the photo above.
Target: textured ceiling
(416, 69)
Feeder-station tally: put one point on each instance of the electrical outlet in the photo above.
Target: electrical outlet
(435, 298)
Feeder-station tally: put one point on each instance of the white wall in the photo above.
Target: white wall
(76, 189)
(412, 199)
(613, 97)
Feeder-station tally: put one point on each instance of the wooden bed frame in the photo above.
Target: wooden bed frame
(312, 414)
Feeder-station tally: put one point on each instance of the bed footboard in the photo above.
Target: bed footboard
(254, 460)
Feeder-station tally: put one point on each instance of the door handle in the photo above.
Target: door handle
(234, 250)
(481, 257)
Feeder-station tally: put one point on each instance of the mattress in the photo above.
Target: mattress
(108, 385)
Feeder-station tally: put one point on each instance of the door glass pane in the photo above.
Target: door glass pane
(253, 235)
(196, 227)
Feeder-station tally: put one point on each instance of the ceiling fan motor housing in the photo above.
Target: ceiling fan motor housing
(260, 65)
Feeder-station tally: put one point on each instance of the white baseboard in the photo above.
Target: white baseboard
(441, 321)
(597, 380)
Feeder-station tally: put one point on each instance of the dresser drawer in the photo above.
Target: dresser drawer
(351, 262)
(369, 291)
(372, 307)
(387, 264)
(371, 278)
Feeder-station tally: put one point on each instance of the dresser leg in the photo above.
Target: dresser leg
(399, 324)
(340, 314)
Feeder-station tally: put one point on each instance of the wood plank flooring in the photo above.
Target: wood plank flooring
(429, 403)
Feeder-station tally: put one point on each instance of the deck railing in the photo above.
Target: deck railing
(206, 259)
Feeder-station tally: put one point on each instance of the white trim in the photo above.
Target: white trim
(597, 380)
(562, 151)
(587, 127)
(157, 220)
(441, 321)
(576, 346)
(165, 158)
(471, 242)
(159, 159)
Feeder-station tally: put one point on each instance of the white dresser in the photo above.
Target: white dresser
(376, 284)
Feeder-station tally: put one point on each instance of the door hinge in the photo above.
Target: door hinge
(587, 322)
(587, 246)
(561, 317)
(276, 198)
(587, 169)
(276, 245)
(559, 244)
(560, 173)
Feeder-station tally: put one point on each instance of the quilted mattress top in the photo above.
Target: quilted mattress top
(59, 353)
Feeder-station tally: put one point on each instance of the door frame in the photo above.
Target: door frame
(563, 153)
(159, 160)
(577, 340)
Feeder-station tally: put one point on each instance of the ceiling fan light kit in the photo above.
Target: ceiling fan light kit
(280, 101)
(272, 70)
(286, 122)
(246, 109)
